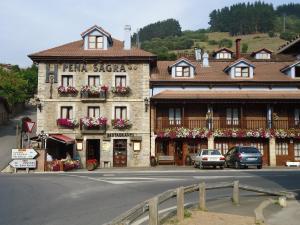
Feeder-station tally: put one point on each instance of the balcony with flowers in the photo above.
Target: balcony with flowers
(67, 91)
(67, 123)
(93, 125)
(93, 93)
(121, 124)
(120, 90)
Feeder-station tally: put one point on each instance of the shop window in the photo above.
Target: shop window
(232, 116)
(241, 72)
(297, 151)
(95, 42)
(66, 80)
(94, 111)
(94, 80)
(175, 116)
(120, 81)
(282, 148)
(222, 146)
(121, 112)
(162, 148)
(259, 146)
(66, 112)
(182, 71)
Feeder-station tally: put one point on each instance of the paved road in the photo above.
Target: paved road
(8, 136)
(96, 198)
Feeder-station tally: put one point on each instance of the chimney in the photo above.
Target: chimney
(238, 48)
(205, 62)
(198, 54)
(127, 38)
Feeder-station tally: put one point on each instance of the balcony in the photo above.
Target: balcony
(223, 123)
(93, 93)
(91, 125)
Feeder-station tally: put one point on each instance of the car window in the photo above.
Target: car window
(204, 152)
(249, 150)
(214, 152)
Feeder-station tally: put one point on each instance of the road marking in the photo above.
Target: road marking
(218, 177)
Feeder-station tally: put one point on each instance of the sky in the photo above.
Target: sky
(28, 26)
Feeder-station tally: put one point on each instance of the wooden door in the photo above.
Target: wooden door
(93, 149)
(120, 153)
(178, 153)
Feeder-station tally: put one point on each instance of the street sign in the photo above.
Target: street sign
(27, 153)
(23, 163)
(29, 126)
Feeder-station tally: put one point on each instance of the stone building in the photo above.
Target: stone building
(94, 99)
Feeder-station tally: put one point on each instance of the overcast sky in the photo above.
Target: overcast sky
(28, 26)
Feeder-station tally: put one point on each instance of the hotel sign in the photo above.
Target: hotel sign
(97, 67)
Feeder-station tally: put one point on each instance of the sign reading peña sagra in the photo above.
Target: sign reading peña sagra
(97, 67)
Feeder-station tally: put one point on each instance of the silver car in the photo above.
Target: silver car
(209, 157)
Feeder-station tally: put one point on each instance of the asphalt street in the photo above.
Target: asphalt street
(95, 198)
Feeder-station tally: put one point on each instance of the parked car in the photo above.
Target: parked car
(243, 156)
(209, 157)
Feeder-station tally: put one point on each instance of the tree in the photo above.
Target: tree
(225, 43)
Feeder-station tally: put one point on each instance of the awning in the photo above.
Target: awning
(62, 138)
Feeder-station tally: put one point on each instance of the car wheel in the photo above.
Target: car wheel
(221, 167)
(237, 165)
(259, 167)
(214, 167)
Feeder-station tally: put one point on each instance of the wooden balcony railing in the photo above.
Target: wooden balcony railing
(222, 123)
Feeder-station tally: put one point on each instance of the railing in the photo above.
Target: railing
(92, 130)
(86, 96)
(221, 123)
(152, 204)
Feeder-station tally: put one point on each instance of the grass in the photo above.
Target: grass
(254, 41)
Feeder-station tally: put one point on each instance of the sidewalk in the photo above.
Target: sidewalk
(288, 216)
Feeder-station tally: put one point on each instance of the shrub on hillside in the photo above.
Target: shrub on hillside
(244, 48)
(287, 35)
(213, 42)
(225, 43)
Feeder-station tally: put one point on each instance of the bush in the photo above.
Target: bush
(225, 43)
(213, 42)
(271, 34)
(287, 36)
(244, 48)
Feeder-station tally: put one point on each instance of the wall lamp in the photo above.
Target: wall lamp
(147, 103)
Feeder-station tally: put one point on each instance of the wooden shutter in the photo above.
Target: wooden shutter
(47, 72)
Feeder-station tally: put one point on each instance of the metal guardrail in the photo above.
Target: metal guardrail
(152, 204)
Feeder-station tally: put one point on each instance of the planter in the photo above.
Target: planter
(120, 124)
(91, 164)
(120, 90)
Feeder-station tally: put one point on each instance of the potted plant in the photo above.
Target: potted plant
(67, 123)
(120, 90)
(94, 122)
(62, 90)
(120, 124)
(94, 91)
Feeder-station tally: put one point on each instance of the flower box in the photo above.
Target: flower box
(119, 90)
(120, 124)
(94, 91)
(92, 124)
(67, 91)
(67, 123)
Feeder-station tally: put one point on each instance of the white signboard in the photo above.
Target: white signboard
(27, 153)
(23, 163)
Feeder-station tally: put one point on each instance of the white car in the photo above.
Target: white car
(209, 157)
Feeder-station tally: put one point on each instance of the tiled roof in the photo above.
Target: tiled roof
(75, 49)
(259, 50)
(264, 72)
(171, 94)
(222, 49)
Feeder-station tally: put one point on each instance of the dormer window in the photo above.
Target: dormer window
(182, 71)
(223, 53)
(293, 70)
(241, 72)
(95, 42)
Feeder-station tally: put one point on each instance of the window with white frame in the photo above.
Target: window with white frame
(241, 72)
(297, 151)
(182, 71)
(282, 148)
(95, 42)
(224, 55)
(66, 112)
(120, 81)
(232, 116)
(174, 116)
(93, 80)
(66, 80)
(121, 112)
(94, 111)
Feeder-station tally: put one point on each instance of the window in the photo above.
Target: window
(94, 80)
(66, 112)
(224, 55)
(182, 71)
(174, 116)
(162, 148)
(66, 80)
(297, 71)
(262, 55)
(121, 112)
(94, 111)
(259, 146)
(120, 81)
(232, 116)
(297, 151)
(282, 148)
(95, 42)
(222, 146)
(241, 72)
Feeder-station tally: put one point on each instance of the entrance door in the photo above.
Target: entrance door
(178, 153)
(93, 149)
(120, 153)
